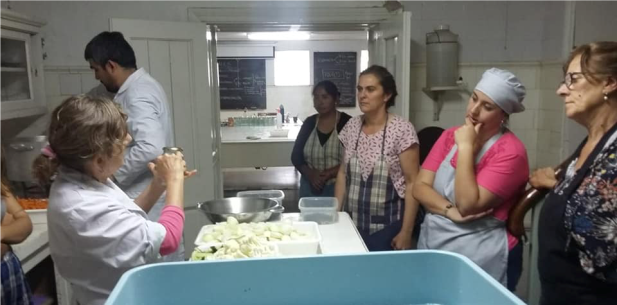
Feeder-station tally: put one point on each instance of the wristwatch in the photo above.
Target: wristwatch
(448, 207)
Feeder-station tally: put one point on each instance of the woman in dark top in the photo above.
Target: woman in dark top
(317, 152)
(578, 222)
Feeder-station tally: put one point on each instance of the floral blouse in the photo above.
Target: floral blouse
(590, 217)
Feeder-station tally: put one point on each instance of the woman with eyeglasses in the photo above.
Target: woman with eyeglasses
(578, 222)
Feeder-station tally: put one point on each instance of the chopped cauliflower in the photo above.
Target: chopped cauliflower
(240, 247)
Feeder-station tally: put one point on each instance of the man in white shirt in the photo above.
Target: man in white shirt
(149, 118)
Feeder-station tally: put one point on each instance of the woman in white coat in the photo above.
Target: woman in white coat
(96, 232)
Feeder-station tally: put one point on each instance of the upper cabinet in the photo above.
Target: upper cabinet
(23, 87)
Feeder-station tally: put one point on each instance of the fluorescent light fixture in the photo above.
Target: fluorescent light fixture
(294, 28)
(280, 36)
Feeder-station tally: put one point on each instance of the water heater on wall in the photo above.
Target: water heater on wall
(441, 65)
(441, 57)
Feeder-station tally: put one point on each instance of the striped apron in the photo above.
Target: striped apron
(373, 204)
(321, 157)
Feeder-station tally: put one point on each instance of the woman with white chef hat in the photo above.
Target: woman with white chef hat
(96, 232)
(471, 178)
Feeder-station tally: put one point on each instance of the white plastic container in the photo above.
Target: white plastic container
(279, 133)
(321, 210)
(268, 194)
(307, 246)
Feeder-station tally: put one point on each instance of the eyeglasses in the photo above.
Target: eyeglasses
(568, 79)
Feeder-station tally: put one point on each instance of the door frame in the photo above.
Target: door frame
(312, 13)
(343, 15)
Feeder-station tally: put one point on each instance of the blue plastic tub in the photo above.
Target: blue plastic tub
(382, 278)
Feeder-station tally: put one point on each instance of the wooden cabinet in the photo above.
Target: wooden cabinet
(23, 87)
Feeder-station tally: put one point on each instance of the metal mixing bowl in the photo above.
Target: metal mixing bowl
(244, 209)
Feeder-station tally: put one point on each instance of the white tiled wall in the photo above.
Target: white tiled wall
(60, 83)
(551, 117)
(67, 81)
(488, 30)
(538, 127)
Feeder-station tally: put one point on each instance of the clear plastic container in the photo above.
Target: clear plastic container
(268, 194)
(321, 210)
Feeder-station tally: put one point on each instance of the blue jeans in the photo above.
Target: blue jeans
(307, 191)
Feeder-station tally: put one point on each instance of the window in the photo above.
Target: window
(363, 60)
(292, 68)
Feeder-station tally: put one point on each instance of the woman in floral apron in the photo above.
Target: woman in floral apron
(471, 178)
(577, 232)
(317, 152)
(381, 163)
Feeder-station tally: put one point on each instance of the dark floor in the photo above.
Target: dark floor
(286, 179)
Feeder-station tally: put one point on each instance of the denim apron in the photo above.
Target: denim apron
(483, 240)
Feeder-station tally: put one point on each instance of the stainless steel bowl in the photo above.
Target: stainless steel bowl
(244, 209)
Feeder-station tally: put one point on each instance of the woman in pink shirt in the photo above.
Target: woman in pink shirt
(471, 178)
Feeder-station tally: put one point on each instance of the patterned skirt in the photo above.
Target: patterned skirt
(15, 289)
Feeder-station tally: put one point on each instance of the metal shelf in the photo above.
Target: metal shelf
(434, 93)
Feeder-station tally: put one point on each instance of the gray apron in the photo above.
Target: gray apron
(483, 240)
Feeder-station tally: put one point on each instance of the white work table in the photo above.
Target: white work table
(266, 151)
(341, 237)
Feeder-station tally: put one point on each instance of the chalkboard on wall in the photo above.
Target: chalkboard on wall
(340, 68)
(242, 83)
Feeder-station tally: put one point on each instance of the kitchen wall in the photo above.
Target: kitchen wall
(298, 99)
(595, 21)
(490, 30)
(527, 37)
(524, 124)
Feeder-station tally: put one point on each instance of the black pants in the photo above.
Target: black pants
(382, 239)
(515, 265)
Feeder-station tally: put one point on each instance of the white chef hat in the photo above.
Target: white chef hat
(504, 89)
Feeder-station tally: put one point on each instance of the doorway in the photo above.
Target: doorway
(384, 37)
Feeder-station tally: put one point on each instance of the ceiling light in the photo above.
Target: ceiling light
(280, 36)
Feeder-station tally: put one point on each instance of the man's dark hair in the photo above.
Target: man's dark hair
(112, 46)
